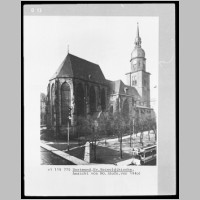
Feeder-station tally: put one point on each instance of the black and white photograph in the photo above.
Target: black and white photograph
(88, 119)
(91, 96)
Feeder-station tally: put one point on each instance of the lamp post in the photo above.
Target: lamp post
(68, 135)
(69, 118)
(133, 122)
(130, 132)
(95, 139)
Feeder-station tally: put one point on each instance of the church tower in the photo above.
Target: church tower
(138, 77)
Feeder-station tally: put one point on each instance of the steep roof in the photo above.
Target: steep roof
(120, 88)
(76, 67)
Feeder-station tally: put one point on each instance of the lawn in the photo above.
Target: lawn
(107, 155)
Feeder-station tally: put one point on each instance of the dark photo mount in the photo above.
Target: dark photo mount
(62, 120)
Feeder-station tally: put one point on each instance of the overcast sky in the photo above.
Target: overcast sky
(107, 41)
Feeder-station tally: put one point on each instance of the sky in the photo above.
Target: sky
(107, 41)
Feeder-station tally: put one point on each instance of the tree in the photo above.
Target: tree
(103, 125)
(141, 129)
(152, 125)
(84, 126)
(87, 128)
(149, 122)
(119, 127)
(136, 126)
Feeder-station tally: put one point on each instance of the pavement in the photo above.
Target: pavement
(64, 155)
(49, 158)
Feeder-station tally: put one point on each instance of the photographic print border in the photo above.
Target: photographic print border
(176, 196)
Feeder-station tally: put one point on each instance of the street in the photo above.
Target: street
(48, 158)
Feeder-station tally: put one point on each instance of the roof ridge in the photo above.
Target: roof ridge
(84, 59)
(74, 66)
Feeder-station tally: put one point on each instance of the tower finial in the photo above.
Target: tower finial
(68, 48)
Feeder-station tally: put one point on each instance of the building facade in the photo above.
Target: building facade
(43, 107)
(79, 88)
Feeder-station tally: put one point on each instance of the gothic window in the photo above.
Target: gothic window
(103, 100)
(92, 100)
(125, 110)
(65, 102)
(80, 97)
(53, 103)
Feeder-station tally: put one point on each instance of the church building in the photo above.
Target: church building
(79, 88)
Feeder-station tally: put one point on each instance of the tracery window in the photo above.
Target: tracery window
(65, 102)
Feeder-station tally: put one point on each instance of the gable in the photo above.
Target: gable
(76, 67)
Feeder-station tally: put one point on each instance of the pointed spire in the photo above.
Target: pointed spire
(138, 35)
(138, 38)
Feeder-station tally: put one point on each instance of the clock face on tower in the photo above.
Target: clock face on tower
(134, 61)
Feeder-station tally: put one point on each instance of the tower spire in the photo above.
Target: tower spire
(138, 38)
(138, 35)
